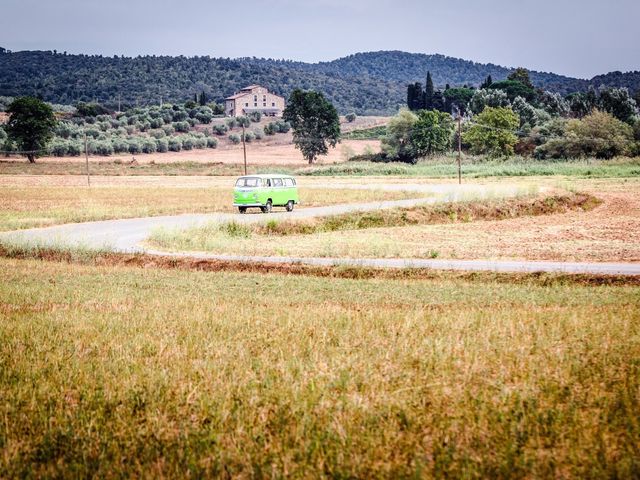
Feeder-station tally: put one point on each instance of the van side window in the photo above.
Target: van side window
(277, 182)
(288, 182)
(266, 182)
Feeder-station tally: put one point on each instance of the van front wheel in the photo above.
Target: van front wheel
(289, 206)
(242, 209)
(268, 207)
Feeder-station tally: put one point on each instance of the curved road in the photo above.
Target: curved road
(127, 235)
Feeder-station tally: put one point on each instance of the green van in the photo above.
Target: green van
(265, 192)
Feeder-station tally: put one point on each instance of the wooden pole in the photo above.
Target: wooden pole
(459, 148)
(244, 148)
(86, 156)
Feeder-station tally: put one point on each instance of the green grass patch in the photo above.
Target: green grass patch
(446, 167)
(373, 133)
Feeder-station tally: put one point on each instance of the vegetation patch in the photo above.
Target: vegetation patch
(446, 167)
(424, 215)
(372, 133)
(238, 374)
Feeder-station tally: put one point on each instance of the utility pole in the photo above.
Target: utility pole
(244, 148)
(459, 148)
(86, 156)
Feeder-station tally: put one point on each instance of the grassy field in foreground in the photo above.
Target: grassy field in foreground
(126, 372)
(35, 206)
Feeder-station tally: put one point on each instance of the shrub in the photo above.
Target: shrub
(270, 129)
(156, 123)
(249, 137)
(130, 129)
(168, 129)
(258, 133)
(179, 115)
(134, 145)
(92, 132)
(220, 129)
(74, 148)
(199, 142)
(58, 148)
(175, 145)
(282, 126)
(148, 145)
(192, 122)
(212, 142)
(187, 142)
(103, 147)
(159, 133)
(181, 126)
(351, 117)
(235, 138)
(63, 130)
(231, 122)
(204, 115)
(255, 116)
(162, 145)
(119, 145)
(598, 134)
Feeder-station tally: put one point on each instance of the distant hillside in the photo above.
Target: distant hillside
(367, 83)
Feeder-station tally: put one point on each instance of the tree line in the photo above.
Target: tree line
(366, 83)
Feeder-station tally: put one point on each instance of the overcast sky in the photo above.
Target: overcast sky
(579, 38)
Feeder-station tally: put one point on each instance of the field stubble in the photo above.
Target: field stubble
(134, 372)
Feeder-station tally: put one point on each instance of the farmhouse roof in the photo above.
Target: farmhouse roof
(237, 95)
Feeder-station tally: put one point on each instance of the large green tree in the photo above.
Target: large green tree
(432, 132)
(314, 121)
(493, 132)
(398, 144)
(31, 123)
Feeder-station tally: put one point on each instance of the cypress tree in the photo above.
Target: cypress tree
(428, 93)
(487, 82)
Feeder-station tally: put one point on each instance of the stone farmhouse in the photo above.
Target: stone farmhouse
(253, 98)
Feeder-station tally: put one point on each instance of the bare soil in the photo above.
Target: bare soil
(278, 151)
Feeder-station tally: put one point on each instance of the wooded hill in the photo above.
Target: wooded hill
(366, 83)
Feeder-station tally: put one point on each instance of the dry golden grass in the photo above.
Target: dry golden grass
(606, 233)
(128, 372)
(38, 206)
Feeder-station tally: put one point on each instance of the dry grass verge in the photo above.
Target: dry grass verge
(146, 261)
(431, 214)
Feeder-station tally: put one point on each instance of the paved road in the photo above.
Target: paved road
(126, 235)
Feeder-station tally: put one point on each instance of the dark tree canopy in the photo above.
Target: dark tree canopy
(31, 123)
(314, 121)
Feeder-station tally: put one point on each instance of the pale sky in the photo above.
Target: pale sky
(576, 38)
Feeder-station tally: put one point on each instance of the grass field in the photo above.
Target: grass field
(41, 205)
(446, 167)
(279, 160)
(119, 371)
(604, 229)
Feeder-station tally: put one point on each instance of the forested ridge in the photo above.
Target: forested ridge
(366, 83)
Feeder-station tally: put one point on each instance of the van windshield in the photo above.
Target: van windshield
(248, 182)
